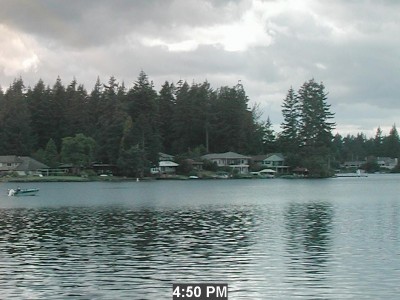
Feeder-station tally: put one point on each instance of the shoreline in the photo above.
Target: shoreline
(27, 179)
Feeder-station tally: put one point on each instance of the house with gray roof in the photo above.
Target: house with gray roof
(387, 162)
(274, 161)
(22, 165)
(166, 165)
(233, 160)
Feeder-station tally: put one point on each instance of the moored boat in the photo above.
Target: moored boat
(358, 173)
(22, 192)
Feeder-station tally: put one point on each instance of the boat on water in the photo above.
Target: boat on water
(22, 192)
(358, 173)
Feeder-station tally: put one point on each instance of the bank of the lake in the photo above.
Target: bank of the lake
(208, 176)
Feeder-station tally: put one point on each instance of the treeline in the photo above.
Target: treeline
(360, 147)
(128, 127)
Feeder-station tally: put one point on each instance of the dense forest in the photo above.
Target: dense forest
(128, 127)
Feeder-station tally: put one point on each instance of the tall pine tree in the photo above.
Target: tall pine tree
(391, 143)
(166, 104)
(315, 125)
(289, 136)
(143, 109)
(15, 122)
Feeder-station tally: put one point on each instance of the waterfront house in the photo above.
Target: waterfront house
(387, 162)
(232, 160)
(22, 165)
(166, 165)
(354, 164)
(274, 161)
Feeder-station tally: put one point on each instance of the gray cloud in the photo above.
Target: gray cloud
(269, 45)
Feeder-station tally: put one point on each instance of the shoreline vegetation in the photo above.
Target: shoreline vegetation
(128, 127)
(207, 176)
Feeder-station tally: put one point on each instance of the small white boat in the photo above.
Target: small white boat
(22, 192)
(358, 173)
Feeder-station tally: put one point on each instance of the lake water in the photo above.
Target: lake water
(267, 239)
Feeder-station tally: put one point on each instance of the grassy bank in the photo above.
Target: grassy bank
(45, 179)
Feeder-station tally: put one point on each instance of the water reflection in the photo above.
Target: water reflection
(88, 252)
(309, 246)
(266, 239)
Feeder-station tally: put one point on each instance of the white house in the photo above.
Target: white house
(230, 159)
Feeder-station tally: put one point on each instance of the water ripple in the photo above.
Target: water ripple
(273, 249)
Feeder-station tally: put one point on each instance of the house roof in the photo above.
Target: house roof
(387, 159)
(164, 156)
(22, 163)
(226, 155)
(10, 159)
(167, 163)
(266, 156)
(30, 164)
(267, 171)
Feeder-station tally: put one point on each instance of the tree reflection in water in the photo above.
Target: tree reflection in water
(128, 250)
(309, 242)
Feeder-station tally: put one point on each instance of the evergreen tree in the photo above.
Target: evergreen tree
(56, 112)
(391, 143)
(39, 101)
(110, 123)
(315, 126)
(166, 104)
(76, 111)
(51, 157)
(182, 125)
(378, 141)
(354, 147)
(260, 133)
(269, 138)
(233, 122)
(337, 151)
(307, 129)
(200, 106)
(289, 136)
(132, 159)
(143, 109)
(192, 116)
(94, 108)
(15, 122)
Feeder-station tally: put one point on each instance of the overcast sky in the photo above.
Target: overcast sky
(352, 46)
